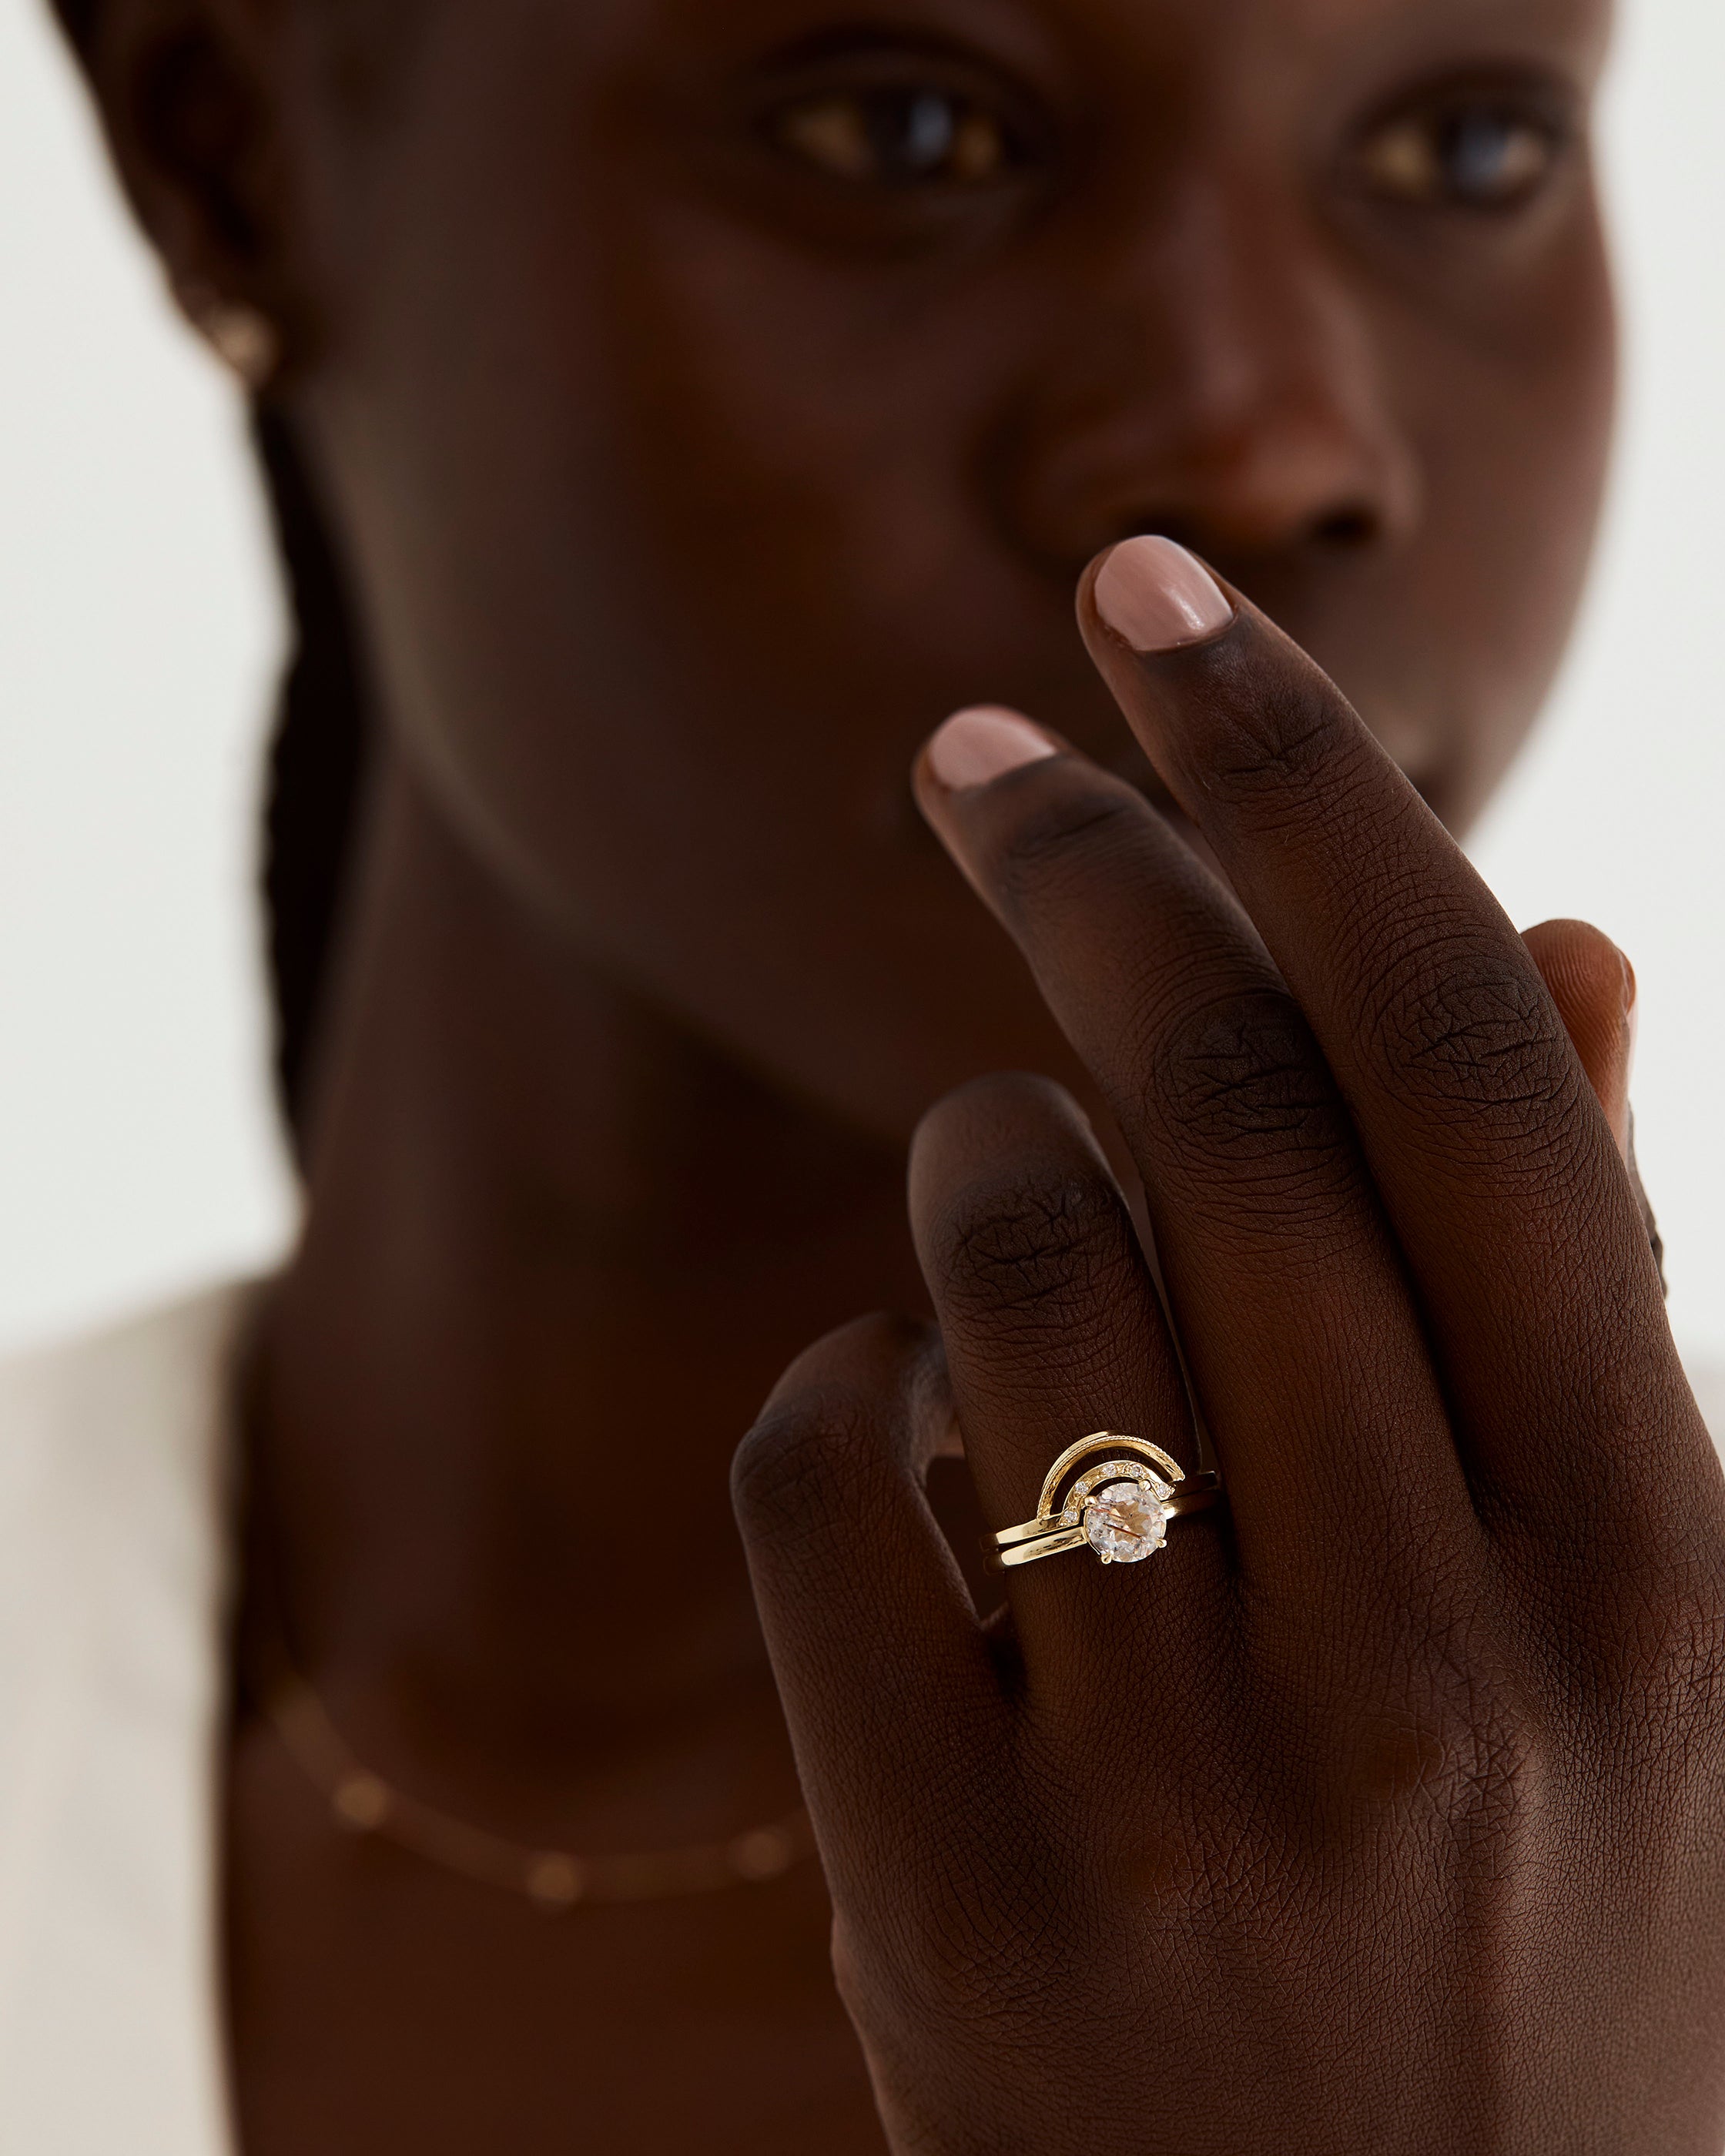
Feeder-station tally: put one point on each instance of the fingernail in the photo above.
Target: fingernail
(1615, 1101)
(1156, 596)
(985, 743)
(1632, 1035)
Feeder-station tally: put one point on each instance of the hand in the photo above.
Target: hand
(1383, 1809)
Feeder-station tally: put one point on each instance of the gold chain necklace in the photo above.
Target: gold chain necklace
(553, 1880)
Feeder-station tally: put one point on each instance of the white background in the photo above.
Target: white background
(139, 635)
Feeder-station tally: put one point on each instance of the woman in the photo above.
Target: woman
(675, 412)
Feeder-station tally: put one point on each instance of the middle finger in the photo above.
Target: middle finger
(1287, 1287)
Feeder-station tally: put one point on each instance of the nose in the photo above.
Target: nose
(1224, 383)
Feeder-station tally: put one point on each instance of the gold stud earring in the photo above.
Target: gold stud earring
(246, 341)
(242, 337)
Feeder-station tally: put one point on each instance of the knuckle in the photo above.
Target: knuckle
(1437, 1734)
(1281, 741)
(1670, 1673)
(1442, 1766)
(1059, 839)
(787, 1474)
(1463, 1029)
(1033, 1254)
(1243, 1086)
(1458, 1753)
(839, 1423)
(978, 1937)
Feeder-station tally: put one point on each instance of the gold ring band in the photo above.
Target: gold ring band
(1120, 1508)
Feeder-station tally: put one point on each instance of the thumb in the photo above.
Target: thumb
(1593, 986)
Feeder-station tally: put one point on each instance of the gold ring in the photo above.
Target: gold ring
(1120, 1508)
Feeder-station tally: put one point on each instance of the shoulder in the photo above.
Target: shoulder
(113, 1579)
(113, 1452)
(123, 1426)
(157, 1359)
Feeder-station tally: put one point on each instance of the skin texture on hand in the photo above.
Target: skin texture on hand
(1386, 1810)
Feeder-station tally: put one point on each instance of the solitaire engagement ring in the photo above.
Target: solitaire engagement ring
(1120, 1508)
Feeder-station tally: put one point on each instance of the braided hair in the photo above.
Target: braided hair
(318, 759)
(318, 754)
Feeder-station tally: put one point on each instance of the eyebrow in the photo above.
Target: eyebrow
(1590, 18)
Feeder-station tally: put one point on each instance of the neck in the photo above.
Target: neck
(558, 1251)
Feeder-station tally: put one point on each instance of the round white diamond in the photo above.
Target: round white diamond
(1125, 1523)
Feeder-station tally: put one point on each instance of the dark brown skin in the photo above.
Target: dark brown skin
(1394, 1814)
(691, 469)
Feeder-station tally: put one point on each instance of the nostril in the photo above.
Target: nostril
(1346, 530)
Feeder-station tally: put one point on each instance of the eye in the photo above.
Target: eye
(1477, 154)
(910, 136)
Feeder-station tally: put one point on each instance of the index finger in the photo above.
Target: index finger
(1494, 1160)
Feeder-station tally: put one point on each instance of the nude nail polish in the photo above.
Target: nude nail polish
(985, 743)
(1623, 1120)
(1156, 597)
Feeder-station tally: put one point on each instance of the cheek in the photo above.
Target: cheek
(659, 515)
(670, 566)
(799, 449)
(1518, 437)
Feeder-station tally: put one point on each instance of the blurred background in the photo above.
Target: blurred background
(140, 637)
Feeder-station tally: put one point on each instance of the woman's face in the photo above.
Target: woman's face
(713, 394)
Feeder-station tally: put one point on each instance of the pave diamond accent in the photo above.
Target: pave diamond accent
(1125, 1523)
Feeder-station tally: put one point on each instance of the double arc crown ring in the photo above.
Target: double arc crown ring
(1120, 1507)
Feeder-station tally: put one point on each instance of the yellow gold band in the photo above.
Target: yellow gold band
(1120, 1508)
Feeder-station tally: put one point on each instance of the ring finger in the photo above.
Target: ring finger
(1053, 1332)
